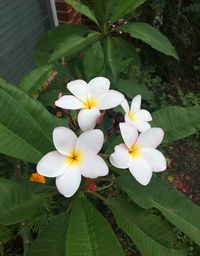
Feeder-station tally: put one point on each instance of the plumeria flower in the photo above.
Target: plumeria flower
(138, 117)
(73, 157)
(139, 154)
(90, 99)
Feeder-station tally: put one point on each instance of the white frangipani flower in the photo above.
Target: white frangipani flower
(74, 157)
(139, 154)
(90, 99)
(138, 117)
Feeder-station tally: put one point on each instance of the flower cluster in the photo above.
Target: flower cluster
(75, 157)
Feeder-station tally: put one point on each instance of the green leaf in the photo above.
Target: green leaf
(132, 88)
(83, 9)
(34, 80)
(20, 136)
(89, 234)
(93, 61)
(48, 98)
(51, 241)
(175, 206)
(46, 120)
(112, 60)
(17, 203)
(123, 7)
(25, 125)
(41, 58)
(52, 38)
(99, 10)
(129, 51)
(118, 61)
(151, 234)
(151, 36)
(111, 143)
(73, 45)
(177, 122)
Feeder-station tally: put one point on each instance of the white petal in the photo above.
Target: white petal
(68, 183)
(120, 158)
(144, 115)
(110, 99)
(78, 88)
(87, 118)
(90, 142)
(52, 164)
(97, 86)
(127, 119)
(69, 102)
(129, 134)
(64, 140)
(141, 126)
(155, 159)
(125, 106)
(136, 103)
(151, 138)
(94, 166)
(141, 171)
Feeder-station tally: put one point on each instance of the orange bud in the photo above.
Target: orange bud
(58, 114)
(36, 177)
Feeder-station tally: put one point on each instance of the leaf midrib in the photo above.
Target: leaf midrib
(20, 138)
(181, 124)
(144, 36)
(154, 202)
(145, 234)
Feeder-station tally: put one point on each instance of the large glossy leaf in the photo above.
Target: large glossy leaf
(89, 234)
(177, 122)
(46, 120)
(123, 7)
(93, 61)
(34, 80)
(103, 10)
(20, 135)
(112, 60)
(132, 88)
(71, 46)
(26, 126)
(52, 240)
(83, 9)
(99, 10)
(127, 50)
(17, 203)
(151, 36)
(52, 38)
(175, 206)
(151, 234)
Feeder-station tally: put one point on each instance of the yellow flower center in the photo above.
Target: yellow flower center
(132, 116)
(135, 151)
(74, 158)
(90, 103)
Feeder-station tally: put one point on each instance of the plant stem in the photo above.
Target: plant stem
(26, 238)
(99, 196)
(70, 119)
(105, 187)
(105, 179)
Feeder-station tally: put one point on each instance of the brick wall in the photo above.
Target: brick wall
(66, 14)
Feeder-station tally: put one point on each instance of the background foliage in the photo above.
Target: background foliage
(157, 219)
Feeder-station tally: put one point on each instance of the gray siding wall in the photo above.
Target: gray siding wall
(22, 23)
